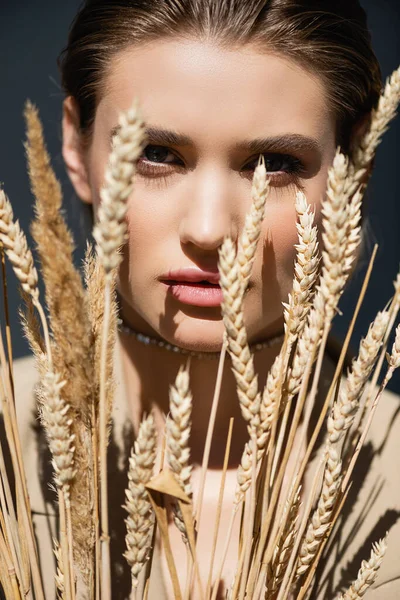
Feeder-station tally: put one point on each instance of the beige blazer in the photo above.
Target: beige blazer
(373, 506)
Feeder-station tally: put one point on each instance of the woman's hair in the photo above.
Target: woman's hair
(328, 38)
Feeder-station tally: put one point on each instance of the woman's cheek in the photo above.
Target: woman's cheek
(282, 239)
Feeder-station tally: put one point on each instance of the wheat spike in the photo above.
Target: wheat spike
(177, 438)
(305, 269)
(341, 211)
(270, 397)
(140, 521)
(16, 247)
(59, 579)
(57, 424)
(110, 230)
(394, 358)
(345, 408)
(339, 246)
(242, 359)
(95, 281)
(322, 517)
(282, 552)
(367, 573)
(249, 238)
(65, 295)
(31, 326)
(380, 120)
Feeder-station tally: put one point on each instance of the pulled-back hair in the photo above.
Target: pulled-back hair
(328, 38)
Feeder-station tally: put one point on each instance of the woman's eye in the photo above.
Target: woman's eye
(158, 154)
(275, 163)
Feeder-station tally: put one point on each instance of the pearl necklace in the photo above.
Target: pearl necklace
(124, 327)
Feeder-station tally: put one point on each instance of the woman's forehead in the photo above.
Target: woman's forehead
(215, 94)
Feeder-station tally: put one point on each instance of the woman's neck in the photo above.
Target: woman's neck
(149, 372)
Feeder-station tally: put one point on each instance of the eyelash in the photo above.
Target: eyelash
(291, 176)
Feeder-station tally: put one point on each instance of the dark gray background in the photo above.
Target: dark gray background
(31, 35)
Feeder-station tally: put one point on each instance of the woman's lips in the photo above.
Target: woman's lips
(195, 293)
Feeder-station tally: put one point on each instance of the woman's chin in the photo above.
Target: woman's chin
(207, 337)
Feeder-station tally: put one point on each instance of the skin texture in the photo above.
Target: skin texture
(220, 98)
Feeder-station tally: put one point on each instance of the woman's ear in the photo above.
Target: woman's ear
(73, 150)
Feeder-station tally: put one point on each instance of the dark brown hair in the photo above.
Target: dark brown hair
(330, 38)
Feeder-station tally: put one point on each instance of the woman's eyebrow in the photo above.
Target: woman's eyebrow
(290, 142)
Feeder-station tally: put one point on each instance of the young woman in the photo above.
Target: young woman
(219, 82)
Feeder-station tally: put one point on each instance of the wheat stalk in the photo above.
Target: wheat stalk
(341, 219)
(178, 428)
(67, 305)
(336, 257)
(57, 423)
(367, 573)
(20, 256)
(110, 234)
(140, 521)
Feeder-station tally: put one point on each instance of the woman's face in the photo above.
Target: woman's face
(192, 191)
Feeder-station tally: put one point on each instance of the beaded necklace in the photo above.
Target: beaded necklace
(127, 329)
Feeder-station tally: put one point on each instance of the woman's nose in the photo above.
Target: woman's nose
(210, 210)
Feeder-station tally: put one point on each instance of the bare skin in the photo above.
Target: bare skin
(178, 216)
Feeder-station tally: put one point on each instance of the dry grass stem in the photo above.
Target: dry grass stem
(210, 430)
(178, 427)
(140, 521)
(367, 573)
(219, 507)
